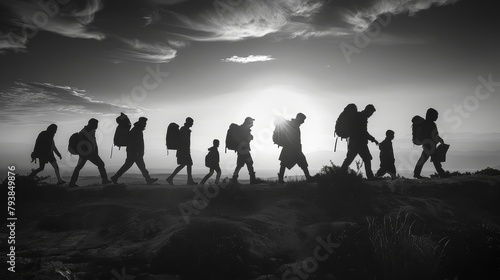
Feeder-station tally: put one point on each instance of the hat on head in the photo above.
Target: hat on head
(248, 120)
(143, 120)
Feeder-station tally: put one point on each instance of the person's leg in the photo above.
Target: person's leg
(171, 177)
(142, 167)
(239, 164)
(439, 169)
(129, 161)
(364, 152)
(76, 172)
(190, 180)
(351, 155)
(56, 170)
(96, 159)
(39, 169)
(210, 173)
(217, 177)
(281, 174)
(381, 171)
(420, 164)
(302, 163)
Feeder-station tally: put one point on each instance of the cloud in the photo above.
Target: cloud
(145, 52)
(239, 20)
(13, 42)
(178, 44)
(362, 19)
(29, 102)
(248, 59)
(71, 19)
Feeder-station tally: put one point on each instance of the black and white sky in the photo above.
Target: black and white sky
(219, 61)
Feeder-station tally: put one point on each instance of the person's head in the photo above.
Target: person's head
(389, 134)
(189, 122)
(300, 118)
(431, 115)
(141, 123)
(93, 123)
(248, 121)
(216, 142)
(52, 129)
(369, 110)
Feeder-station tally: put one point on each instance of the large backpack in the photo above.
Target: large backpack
(343, 126)
(122, 131)
(417, 130)
(345, 122)
(173, 138)
(233, 137)
(74, 139)
(281, 133)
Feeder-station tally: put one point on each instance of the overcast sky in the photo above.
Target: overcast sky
(220, 61)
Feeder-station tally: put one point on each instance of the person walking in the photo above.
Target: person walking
(292, 154)
(212, 161)
(387, 156)
(431, 139)
(44, 150)
(184, 153)
(135, 152)
(243, 153)
(88, 151)
(358, 142)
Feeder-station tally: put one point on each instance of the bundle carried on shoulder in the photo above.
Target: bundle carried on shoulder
(234, 137)
(122, 131)
(282, 132)
(345, 123)
(173, 137)
(417, 130)
(74, 141)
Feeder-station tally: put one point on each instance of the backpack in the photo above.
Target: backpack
(211, 159)
(344, 124)
(173, 138)
(122, 131)
(417, 130)
(73, 143)
(281, 133)
(233, 137)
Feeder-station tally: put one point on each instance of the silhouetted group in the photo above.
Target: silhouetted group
(426, 134)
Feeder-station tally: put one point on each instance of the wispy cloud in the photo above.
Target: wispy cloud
(25, 102)
(234, 21)
(248, 59)
(70, 19)
(362, 19)
(146, 52)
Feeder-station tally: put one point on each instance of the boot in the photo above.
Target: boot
(253, 180)
(235, 179)
(280, 178)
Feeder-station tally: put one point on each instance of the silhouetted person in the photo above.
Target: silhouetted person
(292, 151)
(387, 156)
(184, 153)
(431, 138)
(44, 150)
(89, 152)
(244, 156)
(212, 161)
(135, 152)
(358, 142)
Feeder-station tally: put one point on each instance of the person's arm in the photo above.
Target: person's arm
(54, 148)
(371, 138)
(436, 136)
